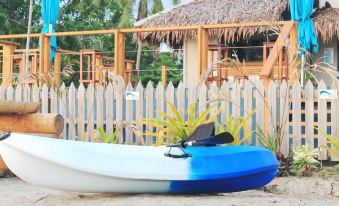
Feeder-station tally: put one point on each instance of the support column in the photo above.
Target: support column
(164, 75)
(203, 49)
(46, 55)
(57, 69)
(292, 52)
(119, 54)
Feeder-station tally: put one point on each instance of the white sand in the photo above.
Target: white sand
(283, 191)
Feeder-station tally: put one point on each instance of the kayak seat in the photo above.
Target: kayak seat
(202, 131)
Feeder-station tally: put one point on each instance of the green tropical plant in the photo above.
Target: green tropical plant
(268, 140)
(235, 126)
(334, 149)
(304, 162)
(174, 127)
(111, 139)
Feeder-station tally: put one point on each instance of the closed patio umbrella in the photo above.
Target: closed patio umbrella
(49, 12)
(301, 11)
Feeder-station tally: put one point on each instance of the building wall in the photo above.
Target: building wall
(191, 66)
(334, 44)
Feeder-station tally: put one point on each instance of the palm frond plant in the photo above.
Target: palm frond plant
(334, 142)
(173, 127)
(304, 161)
(235, 126)
(106, 138)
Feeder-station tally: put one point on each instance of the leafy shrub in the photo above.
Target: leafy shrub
(174, 127)
(304, 162)
(234, 126)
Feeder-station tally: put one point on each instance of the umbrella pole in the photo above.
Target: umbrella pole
(302, 70)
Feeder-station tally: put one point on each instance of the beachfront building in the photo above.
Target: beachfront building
(251, 45)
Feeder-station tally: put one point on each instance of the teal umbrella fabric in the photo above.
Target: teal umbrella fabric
(50, 12)
(301, 11)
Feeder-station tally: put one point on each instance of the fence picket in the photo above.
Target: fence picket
(335, 122)
(272, 104)
(18, 94)
(2, 93)
(72, 112)
(309, 114)
(224, 96)
(129, 116)
(63, 106)
(322, 116)
(202, 99)
(259, 94)
(284, 112)
(149, 110)
(44, 99)
(248, 98)
(10, 93)
(139, 108)
(27, 93)
(54, 101)
(160, 104)
(296, 113)
(81, 112)
(109, 99)
(180, 93)
(90, 113)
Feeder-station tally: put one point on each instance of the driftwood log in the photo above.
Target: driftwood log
(12, 107)
(32, 123)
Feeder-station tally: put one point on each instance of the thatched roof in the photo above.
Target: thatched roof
(326, 23)
(206, 12)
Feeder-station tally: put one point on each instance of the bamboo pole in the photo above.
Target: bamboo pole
(202, 49)
(12, 107)
(32, 123)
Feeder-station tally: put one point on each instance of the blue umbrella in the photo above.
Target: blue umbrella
(301, 11)
(49, 12)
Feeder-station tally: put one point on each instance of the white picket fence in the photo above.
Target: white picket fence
(86, 109)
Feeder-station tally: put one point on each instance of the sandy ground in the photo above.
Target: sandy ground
(282, 191)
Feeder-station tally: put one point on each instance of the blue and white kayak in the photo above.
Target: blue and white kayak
(97, 167)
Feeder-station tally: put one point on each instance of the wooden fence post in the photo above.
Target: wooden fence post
(119, 54)
(164, 75)
(57, 69)
(46, 54)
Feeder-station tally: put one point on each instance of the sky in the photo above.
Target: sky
(167, 4)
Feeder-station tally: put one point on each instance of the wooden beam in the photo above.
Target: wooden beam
(119, 53)
(7, 66)
(57, 69)
(154, 29)
(202, 49)
(268, 66)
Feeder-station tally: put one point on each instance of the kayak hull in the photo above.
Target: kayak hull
(94, 167)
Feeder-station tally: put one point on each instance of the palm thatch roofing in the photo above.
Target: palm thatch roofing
(326, 23)
(207, 12)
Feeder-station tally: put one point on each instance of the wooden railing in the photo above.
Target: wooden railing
(289, 29)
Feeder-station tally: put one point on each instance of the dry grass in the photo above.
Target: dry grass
(326, 23)
(203, 12)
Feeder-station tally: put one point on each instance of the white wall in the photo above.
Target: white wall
(191, 66)
(334, 3)
(319, 56)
